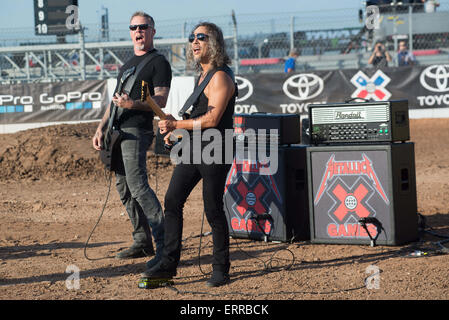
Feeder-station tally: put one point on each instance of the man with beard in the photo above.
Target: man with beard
(135, 122)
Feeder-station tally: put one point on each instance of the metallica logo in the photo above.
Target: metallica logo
(344, 168)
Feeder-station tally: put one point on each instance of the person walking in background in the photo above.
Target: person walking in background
(290, 63)
(136, 124)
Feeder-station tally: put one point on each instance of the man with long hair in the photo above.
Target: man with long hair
(214, 108)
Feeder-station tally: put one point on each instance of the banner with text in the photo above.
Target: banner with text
(53, 102)
(426, 89)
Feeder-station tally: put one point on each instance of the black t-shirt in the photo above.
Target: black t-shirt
(157, 73)
(380, 61)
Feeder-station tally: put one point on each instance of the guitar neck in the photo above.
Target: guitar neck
(112, 115)
(113, 109)
(153, 105)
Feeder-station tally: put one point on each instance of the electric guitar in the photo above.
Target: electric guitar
(112, 135)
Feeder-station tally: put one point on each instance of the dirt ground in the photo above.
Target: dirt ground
(53, 187)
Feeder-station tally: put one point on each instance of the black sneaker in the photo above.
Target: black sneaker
(135, 252)
(218, 279)
(159, 272)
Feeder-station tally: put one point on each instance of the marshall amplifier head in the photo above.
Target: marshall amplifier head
(287, 126)
(337, 123)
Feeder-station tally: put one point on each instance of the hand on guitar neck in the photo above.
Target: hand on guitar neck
(146, 97)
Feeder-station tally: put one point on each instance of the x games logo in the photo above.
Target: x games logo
(350, 201)
(252, 195)
(344, 168)
(349, 186)
(371, 87)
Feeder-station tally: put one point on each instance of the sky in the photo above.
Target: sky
(21, 12)
(17, 16)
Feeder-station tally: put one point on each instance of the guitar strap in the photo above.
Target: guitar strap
(112, 134)
(132, 78)
(199, 89)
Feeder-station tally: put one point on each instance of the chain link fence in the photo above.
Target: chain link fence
(327, 39)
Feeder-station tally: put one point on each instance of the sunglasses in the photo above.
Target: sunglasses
(199, 36)
(134, 27)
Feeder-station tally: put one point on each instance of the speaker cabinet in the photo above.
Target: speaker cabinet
(287, 125)
(268, 205)
(351, 182)
(305, 131)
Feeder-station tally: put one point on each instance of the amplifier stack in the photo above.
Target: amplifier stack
(350, 181)
(268, 200)
(361, 173)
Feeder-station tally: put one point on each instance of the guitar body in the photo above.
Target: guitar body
(110, 148)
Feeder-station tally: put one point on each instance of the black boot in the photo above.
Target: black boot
(159, 271)
(136, 252)
(219, 278)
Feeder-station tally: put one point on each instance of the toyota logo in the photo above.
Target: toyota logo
(435, 78)
(242, 86)
(304, 86)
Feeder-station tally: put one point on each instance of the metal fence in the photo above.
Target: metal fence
(256, 42)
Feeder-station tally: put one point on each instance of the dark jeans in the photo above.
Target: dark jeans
(142, 205)
(185, 178)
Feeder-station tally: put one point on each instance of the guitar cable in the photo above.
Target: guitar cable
(98, 221)
(143, 97)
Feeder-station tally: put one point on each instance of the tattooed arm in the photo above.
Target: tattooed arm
(219, 90)
(160, 97)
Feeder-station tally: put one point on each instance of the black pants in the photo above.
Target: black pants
(185, 178)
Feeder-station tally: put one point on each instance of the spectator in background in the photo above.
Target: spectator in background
(405, 57)
(427, 6)
(418, 5)
(380, 56)
(290, 63)
(430, 5)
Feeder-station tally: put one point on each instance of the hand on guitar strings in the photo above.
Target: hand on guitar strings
(123, 101)
(167, 125)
